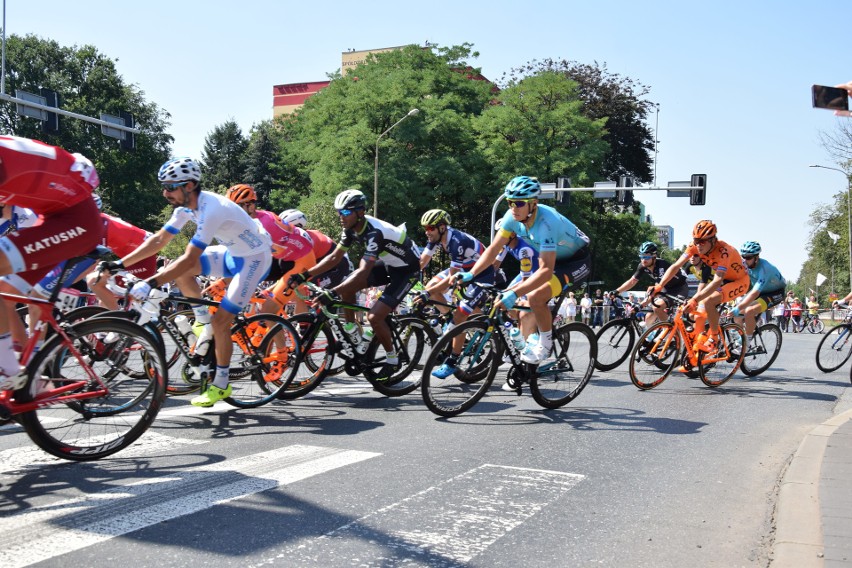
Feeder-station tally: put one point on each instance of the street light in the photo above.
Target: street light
(412, 112)
(848, 209)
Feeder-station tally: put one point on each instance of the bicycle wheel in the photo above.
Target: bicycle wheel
(615, 342)
(816, 325)
(762, 350)
(717, 367)
(318, 350)
(655, 354)
(265, 359)
(559, 382)
(460, 391)
(835, 348)
(413, 340)
(132, 369)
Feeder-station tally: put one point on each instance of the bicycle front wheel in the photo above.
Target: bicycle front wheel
(561, 381)
(475, 369)
(763, 350)
(717, 367)
(655, 354)
(265, 359)
(835, 348)
(615, 342)
(76, 426)
(413, 340)
(816, 325)
(318, 348)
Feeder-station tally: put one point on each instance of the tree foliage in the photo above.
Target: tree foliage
(89, 84)
(224, 157)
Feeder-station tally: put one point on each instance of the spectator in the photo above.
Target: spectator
(796, 314)
(607, 308)
(586, 308)
(597, 309)
(778, 314)
(813, 306)
(571, 310)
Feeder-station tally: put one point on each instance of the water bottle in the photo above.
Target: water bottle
(182, 323)
(354, 333)
(435, 324)
(204, 340)
(368, 336)
(517, 338)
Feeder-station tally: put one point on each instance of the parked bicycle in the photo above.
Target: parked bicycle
(811, 322)
(553, 383)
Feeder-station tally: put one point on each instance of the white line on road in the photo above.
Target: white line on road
(58, 528)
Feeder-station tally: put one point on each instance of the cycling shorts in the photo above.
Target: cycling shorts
(769, 300)
(570, 271)
(398, 280)
(474, 295)
(246, 271)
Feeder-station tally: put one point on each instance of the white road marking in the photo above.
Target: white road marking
(445, 525)
(58, 528)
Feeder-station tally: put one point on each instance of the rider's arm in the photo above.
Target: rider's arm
(151, 246)
(181, 265)
(673, 269)
(328, 262)
(490, 253)
(627, 285)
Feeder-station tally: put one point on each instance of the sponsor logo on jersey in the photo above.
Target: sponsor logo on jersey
(62, 188)
(53, 240)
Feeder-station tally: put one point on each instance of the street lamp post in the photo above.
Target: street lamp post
(848, 209)
(412, 112)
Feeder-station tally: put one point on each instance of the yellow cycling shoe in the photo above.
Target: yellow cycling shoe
(211, 396)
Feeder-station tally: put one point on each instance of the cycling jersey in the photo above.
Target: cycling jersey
(527, 258)
(383, 241)
(550, 232)
(464, 250)
(288, 241)
(323, 244)
(765, 277)
(722, 258)
(41, 177)
(220, 218)
(20, 218)
(703, 272)
(656, 272)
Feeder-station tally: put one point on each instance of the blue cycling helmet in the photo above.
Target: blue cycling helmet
(750, 248)
(648, 248)
(522, 187)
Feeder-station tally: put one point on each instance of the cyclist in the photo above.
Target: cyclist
(464, 251)
(730, 278)
(58, 186)
(563, 257)
(243, 253)
(767, 287)
(655, 268)
(295, 218)
(390, 259)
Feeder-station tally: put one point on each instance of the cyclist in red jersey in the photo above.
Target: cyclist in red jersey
(58, 186)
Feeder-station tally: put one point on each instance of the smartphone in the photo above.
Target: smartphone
(831, 98)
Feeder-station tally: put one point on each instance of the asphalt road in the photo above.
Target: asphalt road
(682, 475)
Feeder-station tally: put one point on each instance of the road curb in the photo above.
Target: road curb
(798, 524)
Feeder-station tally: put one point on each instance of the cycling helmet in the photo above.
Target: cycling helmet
(350, 199)
(435, 217)
(522, 187)
(648, 248)
(98, 201)
(294, 217)
(750, 248)
(241, 193)
(179, 170)
(704, 230)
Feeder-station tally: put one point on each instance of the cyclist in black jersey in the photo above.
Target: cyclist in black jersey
(654, 268)
(390, 259)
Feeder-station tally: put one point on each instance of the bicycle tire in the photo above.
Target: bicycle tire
(93, 428)
(717, 370)
(766, 346)
(574, 351)
(413, 340)
(654, 355)
(835, 348)
(615, 342)
(816, 325)
(265, 359)
(318, 353)
(458, 393)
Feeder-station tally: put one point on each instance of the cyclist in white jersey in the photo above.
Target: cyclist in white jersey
(244, 253)
(563, 258)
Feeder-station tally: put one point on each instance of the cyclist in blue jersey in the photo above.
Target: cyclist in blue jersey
(767, 287)
(464, 251)
(563, 257)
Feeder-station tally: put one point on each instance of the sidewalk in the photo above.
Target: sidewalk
(813, 517)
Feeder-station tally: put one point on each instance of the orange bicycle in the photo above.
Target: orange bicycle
(669, 343)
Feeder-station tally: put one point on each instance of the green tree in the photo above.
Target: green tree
(261, 159)
(223, 157)
(89, 84)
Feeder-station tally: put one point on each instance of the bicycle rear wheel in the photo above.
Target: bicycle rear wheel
(763, 350)
(835, 348)
(266, 358)
(476, 367)
(318, 358)
(559, 382)
(717, 367)
(816, 325)
(413, 340)
(132, 368)
(615, 342)
(655, 354)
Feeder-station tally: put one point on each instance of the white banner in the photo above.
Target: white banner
(820, 279)
(833, 236)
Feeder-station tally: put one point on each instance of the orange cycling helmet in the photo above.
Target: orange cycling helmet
(241, 193)
(704, 230)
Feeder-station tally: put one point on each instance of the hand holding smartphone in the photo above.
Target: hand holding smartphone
(830, 98)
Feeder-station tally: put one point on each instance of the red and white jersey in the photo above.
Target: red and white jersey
(42, 177)
(288, 241)
(323, 244)
(120, 236)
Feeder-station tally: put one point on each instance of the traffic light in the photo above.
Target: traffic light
(698, 195)
(624, 196)
(51, 98)
(129, 141)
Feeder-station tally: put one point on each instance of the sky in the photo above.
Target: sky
(732, 79)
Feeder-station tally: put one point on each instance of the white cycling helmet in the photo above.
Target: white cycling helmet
(294, 217)
(179, 170)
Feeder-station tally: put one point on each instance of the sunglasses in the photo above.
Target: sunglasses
(517, 203)
(345, 212)
(430, 228)
(646, 256)
(170, 187)
(700, 241)
(748, 256)
(246, 203)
